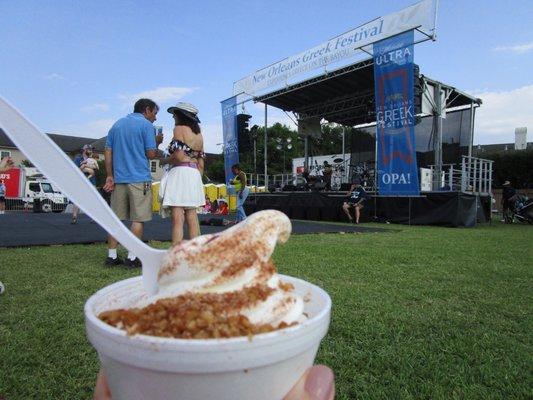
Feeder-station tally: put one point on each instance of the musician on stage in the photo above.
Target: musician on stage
(327, 172)
(356, 198)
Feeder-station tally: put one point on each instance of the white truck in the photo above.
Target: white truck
(26, 188)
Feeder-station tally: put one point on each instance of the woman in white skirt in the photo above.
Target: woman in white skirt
(182, 190)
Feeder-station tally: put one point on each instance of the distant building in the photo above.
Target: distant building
(480, 150)
(71, 145)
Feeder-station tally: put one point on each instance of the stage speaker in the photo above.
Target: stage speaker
(289, 188)
(310, 127)
(244, 138)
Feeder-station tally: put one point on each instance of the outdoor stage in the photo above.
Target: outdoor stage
(452, 209)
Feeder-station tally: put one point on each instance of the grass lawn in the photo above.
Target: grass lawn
(418, 313)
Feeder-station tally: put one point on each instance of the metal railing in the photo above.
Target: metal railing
(450, 178)
(256, 180)
(29, 204)
(474, 175)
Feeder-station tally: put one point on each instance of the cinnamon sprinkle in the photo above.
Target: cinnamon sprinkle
(195, 315)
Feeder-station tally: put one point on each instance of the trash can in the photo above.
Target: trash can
(232, 202)
(211, 191)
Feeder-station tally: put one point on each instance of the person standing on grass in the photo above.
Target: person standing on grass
(182, 190)
(356, 198)
(131, 142)
(239, 188)
(86, 152)
(2, 197)
(6, 164)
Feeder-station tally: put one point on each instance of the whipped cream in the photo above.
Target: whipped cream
(236, 258)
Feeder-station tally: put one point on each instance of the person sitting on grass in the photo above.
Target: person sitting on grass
(222, 207)
(355, 199)
(208, 206)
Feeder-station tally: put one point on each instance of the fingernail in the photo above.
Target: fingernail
(319, 383)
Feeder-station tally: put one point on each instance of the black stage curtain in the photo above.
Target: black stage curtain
(436, 208)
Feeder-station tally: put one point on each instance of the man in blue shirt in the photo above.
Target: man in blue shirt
(131, 142)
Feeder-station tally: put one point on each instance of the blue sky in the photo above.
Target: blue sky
(74, 67)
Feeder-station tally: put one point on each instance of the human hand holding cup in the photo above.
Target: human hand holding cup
(193, 360)
(318, 383)
(266, 367)
(159, 135)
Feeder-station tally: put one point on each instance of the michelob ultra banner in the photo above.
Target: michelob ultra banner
(229, 130)
(395, 115)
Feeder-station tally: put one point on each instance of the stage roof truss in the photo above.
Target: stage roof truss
(312, 81)
(455, 98)
(338, 106)
(346, 96)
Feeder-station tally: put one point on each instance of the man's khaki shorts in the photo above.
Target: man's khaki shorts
(132, 201)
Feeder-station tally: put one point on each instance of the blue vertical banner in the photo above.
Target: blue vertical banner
(395, 115)
(229, 131)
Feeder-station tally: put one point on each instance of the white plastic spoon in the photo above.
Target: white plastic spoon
(58, 168)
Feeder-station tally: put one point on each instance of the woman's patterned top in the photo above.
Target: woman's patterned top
(176, 145)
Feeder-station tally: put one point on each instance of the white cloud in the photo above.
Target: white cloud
(95, 107)
(54, 77)
(99, 127)
(92, 129)
(283, 119)
(274, 115)
(160, 95)
(502, 112)
(517, 49)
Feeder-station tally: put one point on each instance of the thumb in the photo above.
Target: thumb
(316, 384)
(101, 390)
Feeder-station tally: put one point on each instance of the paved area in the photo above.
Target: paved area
(28, 229)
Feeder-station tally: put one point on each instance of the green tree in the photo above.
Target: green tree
(515, 166)
(214, 168)
(275, 156)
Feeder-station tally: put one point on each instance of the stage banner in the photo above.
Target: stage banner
(229, 131)
(395, 131)
(420, 16)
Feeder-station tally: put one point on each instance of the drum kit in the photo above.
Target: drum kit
(340, 173)
(316, 177)
(365, 173)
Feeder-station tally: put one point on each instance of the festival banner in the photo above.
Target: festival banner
(229, 131)
(420, 16)
(395, 116)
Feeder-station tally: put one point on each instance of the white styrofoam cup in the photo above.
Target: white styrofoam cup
(155, 368)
